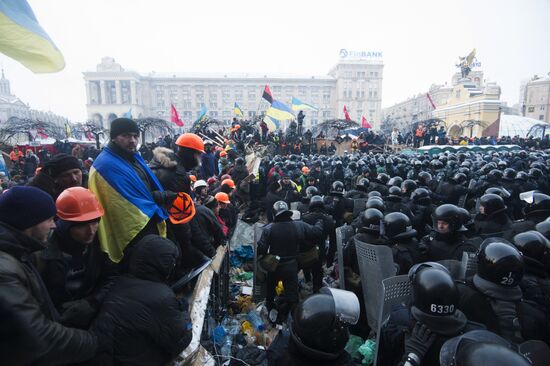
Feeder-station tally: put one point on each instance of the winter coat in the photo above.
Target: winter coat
(141, 318)
(169, 171)
(26, 302)
(206, 231)
(73, 270)
(208, 165)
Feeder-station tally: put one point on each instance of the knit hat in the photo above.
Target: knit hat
(61, 163)
(24, 207)
(210, 202)
(123, 125)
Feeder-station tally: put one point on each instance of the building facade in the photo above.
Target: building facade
(112, 91)
(418, 108)
(535, 98)
(12, 106)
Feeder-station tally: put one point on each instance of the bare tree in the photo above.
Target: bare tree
(153, 125)
(91, 129)
(16, 126)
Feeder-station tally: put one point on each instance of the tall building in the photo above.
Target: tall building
(535, 98)
(355, 81)
(12, 106)
(418, 108)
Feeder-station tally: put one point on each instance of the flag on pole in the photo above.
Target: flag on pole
(346, 114)
(174, 117)
(68, 130)
(431, 101)
(365, 123)
(299, 105)
(267, 94)
(279, 111)
(89, 135)
(128, 114)
(40, 132)
(24, 39)
(237, 110)
(272, 123)
(201, 116)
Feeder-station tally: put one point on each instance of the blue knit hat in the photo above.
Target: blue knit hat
(24, 207)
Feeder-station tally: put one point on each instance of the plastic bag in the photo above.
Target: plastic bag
(352, 347)
(368, 350)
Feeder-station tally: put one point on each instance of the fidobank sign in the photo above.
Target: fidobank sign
(344, 53)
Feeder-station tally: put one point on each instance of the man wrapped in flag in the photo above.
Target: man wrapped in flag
(128, 190)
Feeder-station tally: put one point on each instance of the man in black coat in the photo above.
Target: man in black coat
(141, 317)
(283, 238)
(26, 218)
(317, 212)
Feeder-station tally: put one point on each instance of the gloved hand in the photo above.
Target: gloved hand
(419, 341)
(164, 198)
(77, 314)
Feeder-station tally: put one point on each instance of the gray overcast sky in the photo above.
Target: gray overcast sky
(420, 41)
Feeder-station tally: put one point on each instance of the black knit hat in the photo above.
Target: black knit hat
(61, 163)
(24, 207)
(123, 125)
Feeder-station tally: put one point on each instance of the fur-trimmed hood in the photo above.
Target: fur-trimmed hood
(163, 158)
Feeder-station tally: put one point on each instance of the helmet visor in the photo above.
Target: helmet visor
(346, 305)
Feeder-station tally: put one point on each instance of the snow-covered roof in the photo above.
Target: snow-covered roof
(511, 125)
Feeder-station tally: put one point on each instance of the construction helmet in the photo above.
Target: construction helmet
(200, 183)
(229, 182)
(222, 197)
(191, 141)
(305, 170)
(182, 209)
(192, 178)
(78, 204)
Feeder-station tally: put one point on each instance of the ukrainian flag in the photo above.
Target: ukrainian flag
(237, 110)
(279, 111)
(128, 203)
(298, 105)
(201, 116)
(23, 39)
(272, 123)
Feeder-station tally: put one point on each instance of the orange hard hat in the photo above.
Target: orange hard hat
(237, 127)
(191, 141)
(78, 204)
(223, 154)
(229, 183)
(192, 178)
(305, 170)
(222, 197)
(182, 209)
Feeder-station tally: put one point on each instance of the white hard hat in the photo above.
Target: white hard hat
(200, 183)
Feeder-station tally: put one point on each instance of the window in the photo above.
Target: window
(531, 109)
(226, 93)
(251, 113)
(213, 114)
(199, 96)
(111, 92)
(238, 95)
(326, 114)
(226, 114)
(302, 90)
(187, 115)
(200, 105)
(541, 107)
(251, 95)
(541, 117)
(186, 104)
(347, 74)
(376, 74)
(213, 105)
(125, 92)
(277, 89)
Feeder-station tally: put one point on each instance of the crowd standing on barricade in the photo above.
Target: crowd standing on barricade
(94, 245)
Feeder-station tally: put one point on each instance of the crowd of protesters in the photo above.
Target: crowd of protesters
(92, 241)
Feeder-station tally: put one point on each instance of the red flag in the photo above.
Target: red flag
(40, 132)
(89, 135)
(346, 114)
(267, 94)
(430, 99)
(365, 123)
(174, 117)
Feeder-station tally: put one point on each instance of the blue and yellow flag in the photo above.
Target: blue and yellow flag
(23, 39)
(272, 123)
(237, 110)
(280, 111)
(202, 115)
(128, 203)
(298, 105)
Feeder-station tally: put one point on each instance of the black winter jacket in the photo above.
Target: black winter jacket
(24, 296)
(141, 318)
